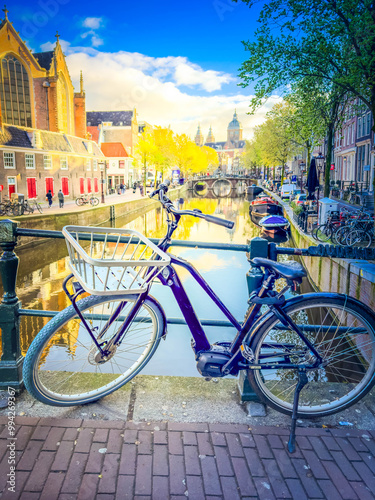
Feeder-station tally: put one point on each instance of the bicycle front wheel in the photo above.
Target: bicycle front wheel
(342, 330)
(359, 238)
(94, 201)
(63, 366)
(323, 233)
(39, 207)
(79, 201)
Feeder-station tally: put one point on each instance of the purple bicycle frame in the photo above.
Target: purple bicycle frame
(173, 281)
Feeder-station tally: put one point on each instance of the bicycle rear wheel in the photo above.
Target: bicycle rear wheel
(323, 232)
(63, 366)
(342, 330)
(339, 236)
(359, 238)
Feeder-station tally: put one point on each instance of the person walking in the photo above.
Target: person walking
(134, 187)
(49, 198)
(141, 189)
(60, 196)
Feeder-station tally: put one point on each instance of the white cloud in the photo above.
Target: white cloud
(124, 80)
(92, 22)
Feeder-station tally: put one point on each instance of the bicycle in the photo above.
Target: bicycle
(323, 342)
(85, 199)
(36, 206)
(22, 208)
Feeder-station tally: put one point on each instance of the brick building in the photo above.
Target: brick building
(43, 139)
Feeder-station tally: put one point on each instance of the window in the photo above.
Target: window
(65, 186)
(363, 125)
(31, 187)
(63, 163)
(9, 160)
(95, 165)
(359, 128)
(15, 92)
(368, 123)
(88, 164)
(47, 161)
(30, 161)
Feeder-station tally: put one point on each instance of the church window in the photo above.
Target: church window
(9, 160)
(15, 92)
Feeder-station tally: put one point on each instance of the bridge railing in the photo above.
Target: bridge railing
(11, 310)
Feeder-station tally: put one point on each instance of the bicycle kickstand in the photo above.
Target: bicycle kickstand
(302, 381)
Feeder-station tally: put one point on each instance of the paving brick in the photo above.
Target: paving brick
(329, 490)
(223, 462)
(263, 447)
(218, 439)
(254, 463)
(95, 459)
(263, 488)
(358, 444)
(160, 460)
(195, 487)
(63, 456)
(105, 496)
(63, 422)
(312, 460)
(128, 458)
(230, 488)
(30, 455)
(265, 430)
(52, 487)
(186, 426)
(22, 477)
(70, 434)
(100, 436)
(145, 442)
(40, 471)
(40, 432)
(103, 424)
(234, 445)
(75, 473)
(115, 441)
(210, 476)
(125, 488)
(27, 495)
(303, 443)
(160, 437)
(345, 466)
(243, 476)
(189, 438)
(33, 421)
(366, 475)
(160, 488)
(275, 441)
(285, 464)
(130, 436)
(320, 448)
(363, 492)
(276, 480)
(143, 477)
(54, 436)
(340, 481)
(247, 440)
(204, 444)
(175, 443)
(192, 461)
(348, 449)
(369, 460)
(145, 426)
(84, 441)
(309, 483)
(331, 443)
(177, 475)
(87, 490)
(23, 436)
(230, 428)
(109, 473)
(296, 489)
(67, 496)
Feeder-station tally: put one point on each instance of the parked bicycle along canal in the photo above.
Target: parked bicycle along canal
(43, 267)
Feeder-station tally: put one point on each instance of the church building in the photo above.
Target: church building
(43, 139)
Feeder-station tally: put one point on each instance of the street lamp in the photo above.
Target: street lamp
(320, 166)
(302, 166)
(102, 165)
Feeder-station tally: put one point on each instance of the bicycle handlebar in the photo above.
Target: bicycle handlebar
(163, 188)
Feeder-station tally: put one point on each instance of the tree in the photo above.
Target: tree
(145, 152)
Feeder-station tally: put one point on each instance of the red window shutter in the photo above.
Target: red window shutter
(31, 187)
(89, 184)
(121, 164)
(49, 185)
(96, 186)
(12, 189)
(65, 186)
(82, 185)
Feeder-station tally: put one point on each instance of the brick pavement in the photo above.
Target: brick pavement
(68, 459)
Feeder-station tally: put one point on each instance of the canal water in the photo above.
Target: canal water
(44, 266)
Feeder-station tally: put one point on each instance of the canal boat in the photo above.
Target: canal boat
(253, 190)
(265, 205)
(274, 223)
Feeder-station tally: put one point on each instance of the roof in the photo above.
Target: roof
(13, 136)
(44, 58)
(94, 131)
(226, 145)
(54, 142)
(234, 124)
(117, 118)
(114, 149)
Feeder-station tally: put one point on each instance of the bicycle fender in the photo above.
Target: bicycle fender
(163, 318)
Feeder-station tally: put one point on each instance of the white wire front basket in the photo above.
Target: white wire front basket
(122, 261)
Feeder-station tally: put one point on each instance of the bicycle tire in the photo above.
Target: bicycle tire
(17, 210)
(359, 238)
(345, 338)
(79, 201)
(39, 208)
(340, 235)
(323, 233)
(94, 201)
(61, 367)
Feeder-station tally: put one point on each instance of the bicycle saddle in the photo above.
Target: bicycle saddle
(291, 271)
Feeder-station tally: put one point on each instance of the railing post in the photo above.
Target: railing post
(11, 359)
(258, 247)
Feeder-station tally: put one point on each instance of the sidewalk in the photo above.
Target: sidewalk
(68, 459)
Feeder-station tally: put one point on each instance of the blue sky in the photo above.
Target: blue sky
(176, 62)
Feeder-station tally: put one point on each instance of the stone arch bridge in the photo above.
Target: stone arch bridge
(216, 187)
